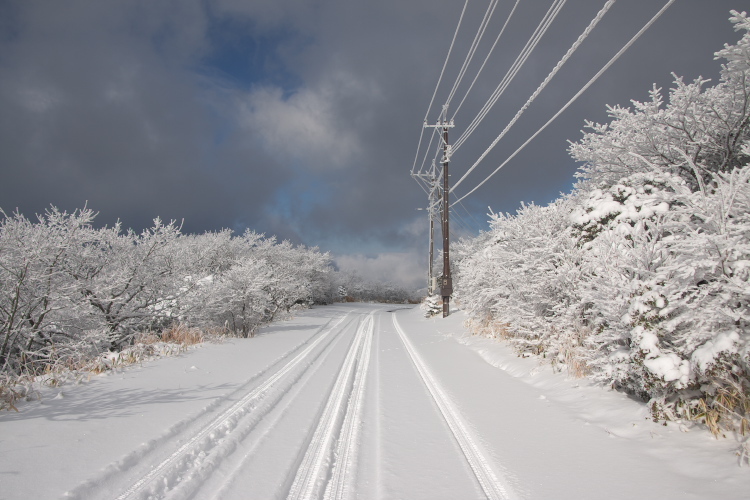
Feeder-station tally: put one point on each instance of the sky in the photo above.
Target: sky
(301, 118)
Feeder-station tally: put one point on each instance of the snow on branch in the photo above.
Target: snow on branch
(639, 278)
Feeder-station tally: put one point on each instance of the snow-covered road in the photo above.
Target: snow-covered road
(347, 401)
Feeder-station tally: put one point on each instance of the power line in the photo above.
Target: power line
(440, 78)
(473, 48)
(478, 225)
(426, 153)
(531, 44)
(497, 39)
(424, 187)
(576, 96)
(541, 87)
(461, 222)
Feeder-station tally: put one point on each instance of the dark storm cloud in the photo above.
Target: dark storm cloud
(99, 103)
(301, 118)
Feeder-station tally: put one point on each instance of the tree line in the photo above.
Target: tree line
(640, 277)
(70, 290)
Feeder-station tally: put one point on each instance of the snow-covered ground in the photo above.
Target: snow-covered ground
(354, 401)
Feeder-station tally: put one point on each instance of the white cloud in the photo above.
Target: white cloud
(306, 127)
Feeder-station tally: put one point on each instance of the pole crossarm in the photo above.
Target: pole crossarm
(443, 124)
(447, 148)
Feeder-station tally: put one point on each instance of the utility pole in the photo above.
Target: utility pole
(433, 202)
(446, 283)
(430, 289)
(431, 180)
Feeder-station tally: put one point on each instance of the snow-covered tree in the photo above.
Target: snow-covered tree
(127, 279)
(708, 126)
(69, 289)
(640, 277)
(237, 299)
(39, 308)
(523, 279)
(357, 288)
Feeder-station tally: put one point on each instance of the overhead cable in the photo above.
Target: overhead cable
(478, 225)
(497, 39)
(427, 151)
(440, 78)
(473, 48)
(541, 87)
(578, 94)
(461, 222)
(531, 44)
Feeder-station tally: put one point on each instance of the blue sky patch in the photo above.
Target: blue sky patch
(247, 56)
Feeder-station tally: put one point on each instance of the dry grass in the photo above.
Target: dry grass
(182, 334)
(14, 389)
(727, 410)
(743, 452)
(574, 354)
(489, 327)
(148, 345)
(575, 364)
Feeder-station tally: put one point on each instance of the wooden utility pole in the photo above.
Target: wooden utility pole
(430, 288)
(446, 282)
(446, 288)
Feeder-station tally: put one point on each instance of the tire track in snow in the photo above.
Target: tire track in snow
(491, 484)
(254, 427)
(92, 488)
(263, 431)
(315, 467)
(339, 485)
(213, 428)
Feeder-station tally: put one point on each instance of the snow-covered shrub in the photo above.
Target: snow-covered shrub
(620, 229)
(432, 305)
(667, 291)
(640, 278)
(668, 245)
(127, 279)
(250, 281)
(522, 279)
(69, 291)
(237, 299)
(40, 308)
(76, 300)
(708, 125)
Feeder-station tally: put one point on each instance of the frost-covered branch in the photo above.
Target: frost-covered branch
(639, 278)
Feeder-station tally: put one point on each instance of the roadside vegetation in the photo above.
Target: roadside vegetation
(76, 300)
(640, 277)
